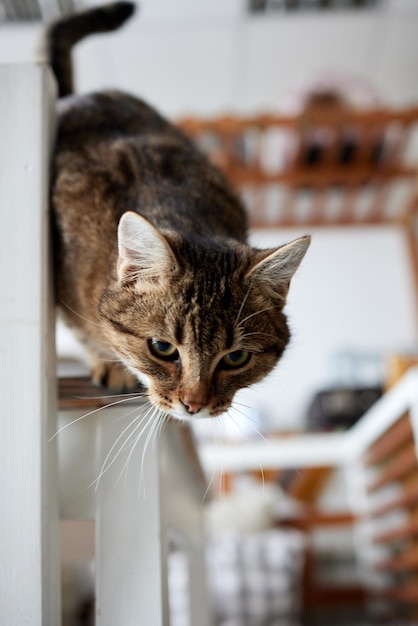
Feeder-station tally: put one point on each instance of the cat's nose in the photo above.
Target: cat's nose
(192, 407)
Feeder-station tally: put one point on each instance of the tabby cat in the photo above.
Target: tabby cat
(153, 268)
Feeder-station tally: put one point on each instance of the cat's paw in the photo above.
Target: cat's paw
(113, 376)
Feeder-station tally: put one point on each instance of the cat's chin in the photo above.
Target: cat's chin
(185, 417)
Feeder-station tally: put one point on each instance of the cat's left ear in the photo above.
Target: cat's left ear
(144, 253)
(274, 269)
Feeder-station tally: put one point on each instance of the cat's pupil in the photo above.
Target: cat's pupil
(163, 349)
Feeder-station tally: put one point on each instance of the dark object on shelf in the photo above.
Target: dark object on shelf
(340, 408)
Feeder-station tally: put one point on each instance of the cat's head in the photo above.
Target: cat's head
(197, 322)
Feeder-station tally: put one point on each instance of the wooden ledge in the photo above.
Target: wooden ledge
(79, 392)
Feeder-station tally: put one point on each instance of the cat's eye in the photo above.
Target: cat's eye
(237, 358)
(163, 350)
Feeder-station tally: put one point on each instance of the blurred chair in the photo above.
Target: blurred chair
(378, 460)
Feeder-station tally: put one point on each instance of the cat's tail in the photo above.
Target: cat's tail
(62, 35)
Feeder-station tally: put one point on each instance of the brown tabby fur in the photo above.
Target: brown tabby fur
(186, 276)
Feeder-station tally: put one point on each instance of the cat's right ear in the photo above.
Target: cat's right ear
(274, 269)
(144, 254)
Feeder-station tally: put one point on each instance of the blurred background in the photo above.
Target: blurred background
(196, 58)
(352, 304)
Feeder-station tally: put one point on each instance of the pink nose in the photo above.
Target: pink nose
(193, 407)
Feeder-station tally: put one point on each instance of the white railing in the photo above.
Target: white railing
(29, 566)
(149, 492)
(131, 526)
(133, 515)
(343, 451)
(319, 449)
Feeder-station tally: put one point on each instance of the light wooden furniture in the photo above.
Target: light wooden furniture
(135, 514)
(362, 176)
(379, 451)
(393, 493)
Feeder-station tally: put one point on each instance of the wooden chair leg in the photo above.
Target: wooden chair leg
(411, 236)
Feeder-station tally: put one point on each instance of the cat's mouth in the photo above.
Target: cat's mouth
(181, 413)
(183, 416)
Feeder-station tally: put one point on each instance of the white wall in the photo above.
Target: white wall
(352, 294)
(193, 55)
(353, 290)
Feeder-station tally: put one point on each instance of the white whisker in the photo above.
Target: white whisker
(79, 315)
(236, 323)
(124, 394)
(252, 425)
(246, 406)
(222, 424)
(249, 441)
(106, 465)
(100, 408)
(106, 359)
(142, 482)
(161, 419)
(149, 415)
(270, 308)
(245, 335)
(208, 488)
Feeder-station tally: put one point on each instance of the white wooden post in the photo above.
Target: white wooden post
(182, 510)
(135, 510)
(131, 542)
(413, 395)
(29, 556)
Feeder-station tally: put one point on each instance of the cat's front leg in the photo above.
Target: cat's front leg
(113, 376)
(106, 370)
